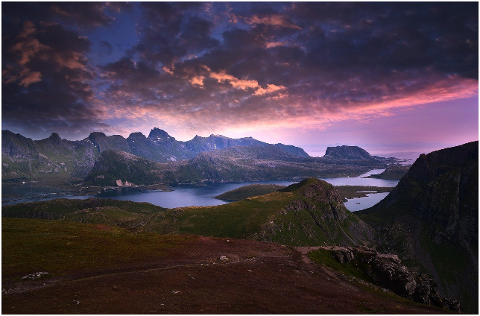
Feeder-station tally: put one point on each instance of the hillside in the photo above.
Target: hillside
(57, 267)
(248, 191)
(392, 172)
(308, 213)
(431, 220)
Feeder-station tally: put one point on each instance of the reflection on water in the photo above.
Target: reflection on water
(191, 195)
(357, 204)
(363, 180)
(183, 195)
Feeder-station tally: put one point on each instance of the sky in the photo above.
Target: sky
(394, 78)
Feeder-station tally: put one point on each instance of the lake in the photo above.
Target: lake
(191, 195)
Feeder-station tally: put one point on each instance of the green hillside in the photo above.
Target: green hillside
(308, 213)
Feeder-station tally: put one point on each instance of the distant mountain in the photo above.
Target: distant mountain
(232, 164)
(52, 158)
(430, 219)
(392, 172)
(56, 158)
(347, 152)
(213, 142)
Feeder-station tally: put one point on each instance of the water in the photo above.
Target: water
(14, 194)
(357, 204)
(191, 195)
(183, 195)
(363, 180)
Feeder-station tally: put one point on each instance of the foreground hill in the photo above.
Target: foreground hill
(431, 219)
(58, 267)
(307, 213)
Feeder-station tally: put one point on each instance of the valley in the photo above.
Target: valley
(304, 212)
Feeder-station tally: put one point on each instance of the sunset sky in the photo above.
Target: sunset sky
(393, 78)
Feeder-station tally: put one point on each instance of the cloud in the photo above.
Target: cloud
(243, 84)
(274, 44)
(46, 83)
(374, 61)
(274, 20)
(197, 80)
(270, 88)
(237, 65)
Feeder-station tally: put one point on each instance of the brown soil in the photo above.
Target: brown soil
(255, 277)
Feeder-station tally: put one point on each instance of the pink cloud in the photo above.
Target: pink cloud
(197, 80)
(29, 77)
(274, 44)
(222, 76)
(274, 20)
(270, 88)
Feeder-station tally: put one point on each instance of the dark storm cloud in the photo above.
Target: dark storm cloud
(234, 64)
(247, 62)
(46, 80)
(170, 32)
(83, 14)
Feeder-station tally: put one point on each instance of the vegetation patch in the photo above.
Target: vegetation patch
(60, 247)
(248, 191)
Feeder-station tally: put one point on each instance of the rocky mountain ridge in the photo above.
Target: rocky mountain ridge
(25, 158)
(430, 219)
(215, 158)
(233, 164)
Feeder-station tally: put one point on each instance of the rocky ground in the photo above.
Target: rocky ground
(208, 275)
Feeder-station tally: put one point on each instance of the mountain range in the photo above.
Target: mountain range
(101, 159)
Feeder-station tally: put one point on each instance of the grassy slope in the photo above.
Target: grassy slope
(102, 269)
(60, 247)
(289, 217)
(248, 191)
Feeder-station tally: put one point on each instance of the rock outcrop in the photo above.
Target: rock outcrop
(387, 271)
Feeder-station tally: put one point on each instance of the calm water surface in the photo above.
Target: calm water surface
(191, 195)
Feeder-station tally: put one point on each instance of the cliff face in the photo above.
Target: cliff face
(431, 220)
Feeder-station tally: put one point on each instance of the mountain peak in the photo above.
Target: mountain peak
(55, 137)
(94, 135)
(158, 134)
